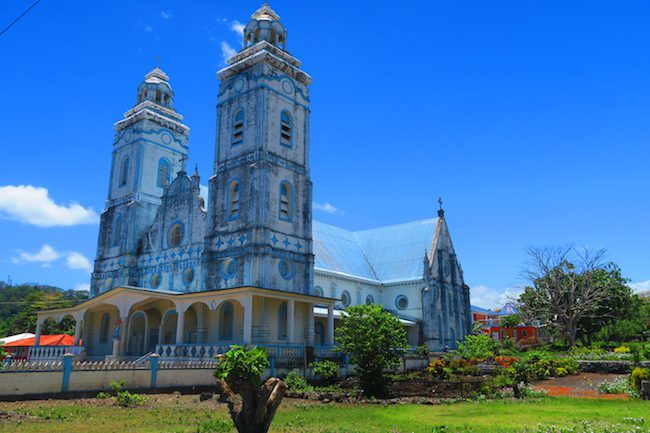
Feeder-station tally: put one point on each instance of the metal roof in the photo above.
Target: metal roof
(386, 254)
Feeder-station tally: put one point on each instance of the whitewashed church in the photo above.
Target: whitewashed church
(186, 277)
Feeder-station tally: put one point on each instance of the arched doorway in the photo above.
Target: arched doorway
(167, 333)
(137, 334)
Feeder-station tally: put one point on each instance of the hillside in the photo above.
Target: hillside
(18, 306)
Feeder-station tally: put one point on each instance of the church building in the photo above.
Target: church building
(186, 276)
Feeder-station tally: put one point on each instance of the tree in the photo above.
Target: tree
(252, 405)
(568, 288)
(374, 339)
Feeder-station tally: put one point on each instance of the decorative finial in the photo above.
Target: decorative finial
(196, 169)
(182, 160)
(158, 61)
(441, 211)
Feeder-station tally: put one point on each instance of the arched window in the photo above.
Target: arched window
(238, 128)
(175, 235)
(164, 167)
(370, 300)
(319, 330)
(286, 129)
(166, 100)
(286, 201)
(318, 291)
(117, 230)
(226, 321)
(158, 96)
(272, 36)
(104, 329)
(124, 170)
(346, 299)
(233, 200)
(282, 321)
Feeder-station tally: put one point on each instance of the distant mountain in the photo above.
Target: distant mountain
(19, 304)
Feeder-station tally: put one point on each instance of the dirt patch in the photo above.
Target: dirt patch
(9, 416)
(583, 385)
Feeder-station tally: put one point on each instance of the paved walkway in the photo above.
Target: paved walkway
(584, 385)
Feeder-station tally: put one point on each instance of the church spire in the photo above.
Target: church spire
(441, 211)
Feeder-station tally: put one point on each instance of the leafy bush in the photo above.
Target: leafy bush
(618, 386)
(639, 374)
(622, 349)
(326, 369)
(296, 381)
(103, 395)
(242, 364)
(422, 350)
(437, 368)
(476, 346)
(124, 398)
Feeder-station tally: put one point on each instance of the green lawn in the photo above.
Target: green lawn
(186, 414)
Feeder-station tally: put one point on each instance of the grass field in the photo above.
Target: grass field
(176, 413)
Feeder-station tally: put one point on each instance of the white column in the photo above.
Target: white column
(310, 324)
(39, 329)
(330, 324)
(291, 310)
(248, 319)
(123, 334)
(180, 325)
(77, 331)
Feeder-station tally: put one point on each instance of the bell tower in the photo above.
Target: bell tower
(260, 205)
(149, 147)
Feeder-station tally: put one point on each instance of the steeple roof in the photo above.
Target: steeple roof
(157, 76)
(265, 13)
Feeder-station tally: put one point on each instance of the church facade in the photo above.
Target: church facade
(185, 276)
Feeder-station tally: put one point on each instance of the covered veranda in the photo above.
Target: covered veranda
(131, 323)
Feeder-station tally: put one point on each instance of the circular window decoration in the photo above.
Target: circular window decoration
(175, 236)
(155, 281)
(188, 276)
(370, 300)
(108, 284)
(345, 298)
(287, 269)
(166, 138)
(402, 302)
(318, 291)
(228, 268)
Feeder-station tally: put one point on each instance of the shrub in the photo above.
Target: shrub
(326, 369)
(619, 386)
(639, 374)
(124, 398)
(505, 361)
(103, 395)
(476, 346)
(296, 381)
(622, 349)
(422, 350)
(437, 368)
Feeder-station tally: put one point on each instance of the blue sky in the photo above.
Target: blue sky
(530, 119)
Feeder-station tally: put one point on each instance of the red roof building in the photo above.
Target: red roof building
(19, 349)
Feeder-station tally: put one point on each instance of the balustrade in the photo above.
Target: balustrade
(53, 353)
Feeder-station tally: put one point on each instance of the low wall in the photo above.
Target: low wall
(616, 367)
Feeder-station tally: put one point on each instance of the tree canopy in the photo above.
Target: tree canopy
(19, 304)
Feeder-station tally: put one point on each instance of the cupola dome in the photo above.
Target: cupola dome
(156, 88)
(265, 25)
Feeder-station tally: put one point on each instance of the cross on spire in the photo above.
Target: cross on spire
(441, 211)
(182, 160)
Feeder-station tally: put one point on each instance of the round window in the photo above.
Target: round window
(402, 302)
(370, 300)
(155, 280)
(286, 269)
(188, 276)
(228, 268)
(318, 291)
(175, 236)
(345, 298)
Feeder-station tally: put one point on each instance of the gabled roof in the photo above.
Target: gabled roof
(386, 254)
(481, 310)
(508, 310)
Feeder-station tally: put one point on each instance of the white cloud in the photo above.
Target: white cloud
(33, 205)
(238, 28)
(166, 14)
(75, 260)
(45, 256)
(48, 255)
(641, 286)
(227, 51)
(82, 287)
(327, 208)
(148, 28)
(488, 297)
